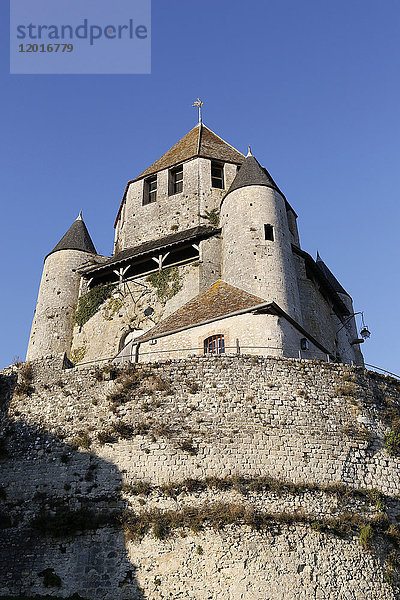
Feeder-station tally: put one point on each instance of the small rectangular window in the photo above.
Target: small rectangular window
(150, 190)
(269, 232)
(217, 175)
(304, 344)
(176, 180)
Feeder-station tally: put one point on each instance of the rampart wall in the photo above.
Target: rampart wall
(214, 477)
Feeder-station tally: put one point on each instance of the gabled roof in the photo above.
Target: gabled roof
(218, 301)
(200, 232)
(330, 276)
(76, 238)
(199, 142)
(252, 173)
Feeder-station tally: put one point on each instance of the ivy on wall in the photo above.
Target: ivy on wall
(167, 283)
(90, 303)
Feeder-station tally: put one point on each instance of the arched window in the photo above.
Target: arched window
(214, 344)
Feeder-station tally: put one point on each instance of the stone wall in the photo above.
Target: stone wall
(280, 454)
(261, 267)
(169, 213)
(255, 334)
(53, 321)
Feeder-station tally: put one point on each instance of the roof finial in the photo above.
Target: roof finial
(199, 104)
(79, 217)
(249, 153)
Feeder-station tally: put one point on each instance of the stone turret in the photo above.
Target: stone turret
(53, 322)
(256, 239)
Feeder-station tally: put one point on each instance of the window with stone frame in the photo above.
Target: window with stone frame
(150, 190)
(176, 180)
(215, 344)
(269, 232)
(217, 175)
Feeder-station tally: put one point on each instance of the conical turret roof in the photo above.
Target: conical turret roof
(252, 173)
(76, 238)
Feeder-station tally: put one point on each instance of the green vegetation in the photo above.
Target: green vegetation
(220, 515)
(392, 439)
(78, 354)
(166, 282)
(90, 303)
(212, 217)
(366, 536)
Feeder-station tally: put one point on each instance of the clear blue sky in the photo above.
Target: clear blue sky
(313, 86)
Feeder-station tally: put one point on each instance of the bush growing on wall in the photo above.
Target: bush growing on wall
(90, 303)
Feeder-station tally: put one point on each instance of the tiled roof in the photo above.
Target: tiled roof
(76, 238)
(200, 141)
(218, 301)
(203, 231)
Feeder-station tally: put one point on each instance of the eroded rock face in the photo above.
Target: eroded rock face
(214, 477)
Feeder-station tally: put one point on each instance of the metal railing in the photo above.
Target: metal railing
(182, 353)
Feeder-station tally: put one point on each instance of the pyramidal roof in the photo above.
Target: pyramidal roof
(199, 142)
(252, 173)
(76, 238)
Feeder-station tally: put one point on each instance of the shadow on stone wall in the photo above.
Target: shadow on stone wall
(59, 516)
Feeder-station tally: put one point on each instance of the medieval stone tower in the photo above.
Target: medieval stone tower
(53, 324)
(207, 258)
(214, 435)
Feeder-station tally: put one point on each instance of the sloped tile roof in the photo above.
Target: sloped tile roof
(202, 231)
(200, 141)
(217, 301)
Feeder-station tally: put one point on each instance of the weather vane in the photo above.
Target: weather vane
(199, 104)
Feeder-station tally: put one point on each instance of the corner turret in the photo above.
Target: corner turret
(257, 238)
(53, 322)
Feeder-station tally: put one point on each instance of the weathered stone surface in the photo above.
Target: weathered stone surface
(309, 423)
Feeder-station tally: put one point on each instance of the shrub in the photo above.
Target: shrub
(90, 303)
(107, 436)
(166, 282)
(392, 441)
(140, 488)
(366, 535)
(25, 379)
(66, 522)
(82, 440)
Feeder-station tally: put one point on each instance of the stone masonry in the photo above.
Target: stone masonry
(200, 449)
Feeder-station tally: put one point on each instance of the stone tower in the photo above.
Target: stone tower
(258, 230)
(53, 322)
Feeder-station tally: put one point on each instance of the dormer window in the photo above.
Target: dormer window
(217, 175)
(150, 190)
(176, 180)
